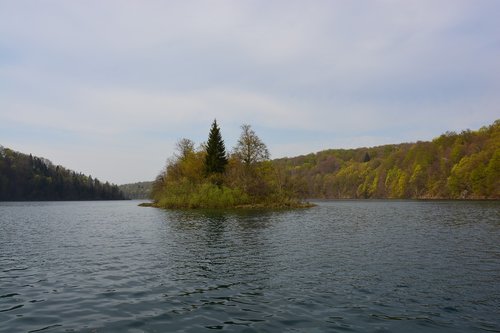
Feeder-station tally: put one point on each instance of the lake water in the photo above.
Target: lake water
(343, 266)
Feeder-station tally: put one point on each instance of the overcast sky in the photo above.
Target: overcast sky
(107, 87)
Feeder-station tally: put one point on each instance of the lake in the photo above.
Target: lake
(343, 266)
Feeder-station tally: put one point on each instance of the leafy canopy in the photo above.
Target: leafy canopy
(250, 148)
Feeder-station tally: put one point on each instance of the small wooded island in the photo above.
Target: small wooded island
(207, 177)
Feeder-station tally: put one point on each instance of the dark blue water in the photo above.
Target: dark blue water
(344, 266)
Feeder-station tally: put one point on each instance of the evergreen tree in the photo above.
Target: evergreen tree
(367, 158)
(215, 160)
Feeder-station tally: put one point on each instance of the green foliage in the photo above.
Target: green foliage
(25, 177)
(250, 149)
(183, 194)
(465, 165)
(140, 190)
(215, 159)
(253, 182)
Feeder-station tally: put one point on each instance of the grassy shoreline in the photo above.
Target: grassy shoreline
(257, 206)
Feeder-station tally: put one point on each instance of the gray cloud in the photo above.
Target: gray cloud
(125, 79)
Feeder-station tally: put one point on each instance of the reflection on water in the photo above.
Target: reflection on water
(355, 266)
(230, 248)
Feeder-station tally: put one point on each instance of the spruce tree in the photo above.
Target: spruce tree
(215, 160)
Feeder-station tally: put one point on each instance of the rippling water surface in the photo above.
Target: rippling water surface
(344, 266)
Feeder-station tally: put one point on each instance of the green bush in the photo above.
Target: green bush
(204, 195)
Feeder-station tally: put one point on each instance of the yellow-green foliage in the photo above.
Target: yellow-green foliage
(237, 187)
(465, 165)
(185, 184)
(205, 195)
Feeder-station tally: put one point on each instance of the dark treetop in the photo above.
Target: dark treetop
(216, 159)
(26, 177)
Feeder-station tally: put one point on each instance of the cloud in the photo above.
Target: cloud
(118, 78)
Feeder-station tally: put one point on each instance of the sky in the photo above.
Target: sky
(107, 88)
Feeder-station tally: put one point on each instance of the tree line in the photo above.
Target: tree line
(140, 190)
(26, 177)
(462, 165)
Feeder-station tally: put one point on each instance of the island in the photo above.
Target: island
(208, 177)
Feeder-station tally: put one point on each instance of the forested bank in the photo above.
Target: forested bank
(462, 165)
(26, 177)
(140, 190)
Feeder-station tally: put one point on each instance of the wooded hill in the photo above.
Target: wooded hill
(457, 166)
(140, 190)
(25, 177)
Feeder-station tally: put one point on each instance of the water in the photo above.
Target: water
(344, 266)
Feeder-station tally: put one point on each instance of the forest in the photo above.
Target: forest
(140, 190)
(462, 165)
(25, 177)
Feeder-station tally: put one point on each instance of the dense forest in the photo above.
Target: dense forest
(25, 177)
(140, 190)
(462, 165)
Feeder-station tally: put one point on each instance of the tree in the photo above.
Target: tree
(250, 149)
(215, 159)
(184, 148)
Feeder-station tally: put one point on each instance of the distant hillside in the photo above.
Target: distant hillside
(465, 165)
(141, 190)
(25, 177)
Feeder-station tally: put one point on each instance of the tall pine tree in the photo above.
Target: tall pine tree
(215, 160)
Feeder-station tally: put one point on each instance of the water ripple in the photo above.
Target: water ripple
(342, 267)
(44, 328)
(12, 308)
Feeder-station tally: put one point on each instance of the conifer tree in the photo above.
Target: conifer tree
(215, 160)
(367, 158)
